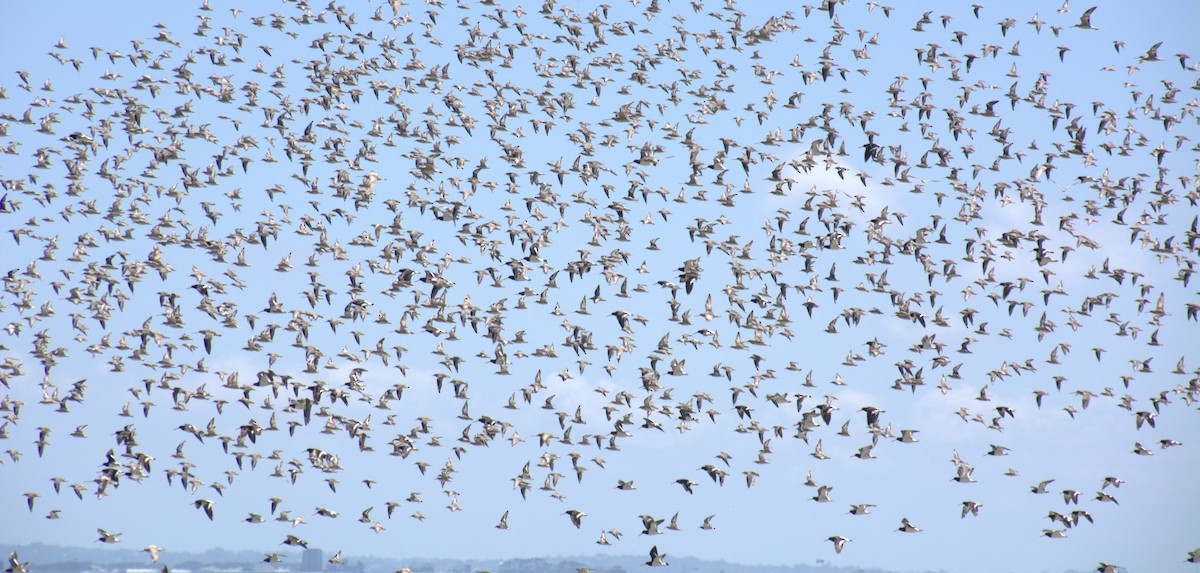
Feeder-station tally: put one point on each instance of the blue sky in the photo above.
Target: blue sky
(675, 96)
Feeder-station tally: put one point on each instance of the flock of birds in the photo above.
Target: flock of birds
(262, 237)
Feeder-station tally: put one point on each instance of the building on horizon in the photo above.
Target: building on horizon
(312, 561)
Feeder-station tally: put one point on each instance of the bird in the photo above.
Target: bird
(206, 505)
(970, 507)
(650, 525)
(838, 542)
(657, 559)
(1085, 19)
(15, 565)
(106, 537)
(861, 508)
(295, 541)
(153, 550)
(576, 517)
(29, 497)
